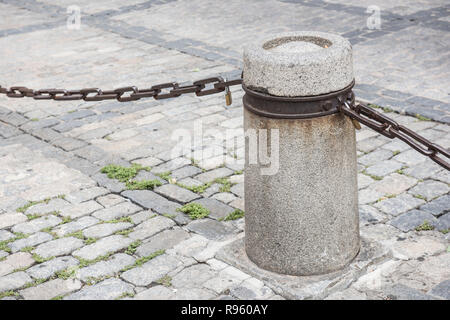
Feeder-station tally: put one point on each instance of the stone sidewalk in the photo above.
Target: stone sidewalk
(68, 231)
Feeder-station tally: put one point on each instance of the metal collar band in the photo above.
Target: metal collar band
(270, 106)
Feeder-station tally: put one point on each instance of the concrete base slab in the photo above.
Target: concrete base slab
(305, 287)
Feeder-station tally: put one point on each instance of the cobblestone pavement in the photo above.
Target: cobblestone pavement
(67, 231)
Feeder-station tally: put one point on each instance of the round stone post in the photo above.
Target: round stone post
(301, 214)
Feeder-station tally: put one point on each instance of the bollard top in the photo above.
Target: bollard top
(304, 63)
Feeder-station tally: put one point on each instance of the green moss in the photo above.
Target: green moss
(68, 273)
(85, 262)
(236, 214)
(196, 189)
(194, 210)
(239, 172)
(40, 259)
(396, 152)
(170, 216)
(33, 216)
(165, 281)
(133, 247)
(226, 184)
(139, 262)
(121, 219)
(445, 231)
(124, 232)
(66, 220)
(164, 175)
(419, 196)
(57, 297)
(30, 204)
(78, 234)
(34, 283)
(8, 294)
(125, 295)
(27, 249)
(4, 243)
(422, 118)
(374, 177)
(143, 184)
(90, 241)
(425, 226)
(123, 174)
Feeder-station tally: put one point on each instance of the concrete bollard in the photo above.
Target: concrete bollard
(303, 219)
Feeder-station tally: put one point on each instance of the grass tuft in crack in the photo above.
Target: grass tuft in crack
(194, 210)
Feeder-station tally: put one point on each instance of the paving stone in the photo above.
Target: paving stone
(399, 204)
(347, 294)
(15, 261)
(151, 227)
(68, 144)
(79, 114)
(192, 246)
(53, 205)
(376, 276)
(6, 235)
(14, 281)
(402, 292)
(412, 219)
(185, 172)
(410, 157)
(110, 184)
(142, 216)
(176, 193)
(75, 226)
(162, 241)
(368, 195)
(225, 197)
(364, 181)
(120, 210)
(375, 157)
(394, 184)
(102, 247)
(148, 162)
(31, 241)
(108, 289)
(155, 293)
(213, 189)
(105, 229)
(193, 294)
(438, 206)
(384, 168)
(11, 218)
(81, 209)
(110, 200)
(58, 247)
(217, 209)
(47, 269)
(51, 289)
(211, 229)
(106, 268)
(406, 249)
(423, 170)
(193, 277)
(247, 291)
(238, 204)
(152, 270)
(86, 194)
(444, 222)
(37, 224)
(238, 190)
(155, 202)
(368, 214)
(214, 174)
(430, 189)
(442, 290)
(189, 182)
(3, 254)
(171, 165)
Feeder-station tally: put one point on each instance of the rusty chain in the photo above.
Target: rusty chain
(172, 89)
(391, 129)
(359, 112)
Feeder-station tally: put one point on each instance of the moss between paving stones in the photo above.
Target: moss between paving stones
(194, 210)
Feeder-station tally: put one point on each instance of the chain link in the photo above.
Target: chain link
(161, 91)
(359, 112)
(391, 129)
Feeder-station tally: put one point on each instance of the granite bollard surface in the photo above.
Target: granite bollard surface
(302, 220)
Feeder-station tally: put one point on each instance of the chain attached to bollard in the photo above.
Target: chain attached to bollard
(359, 113)
(391, 129)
